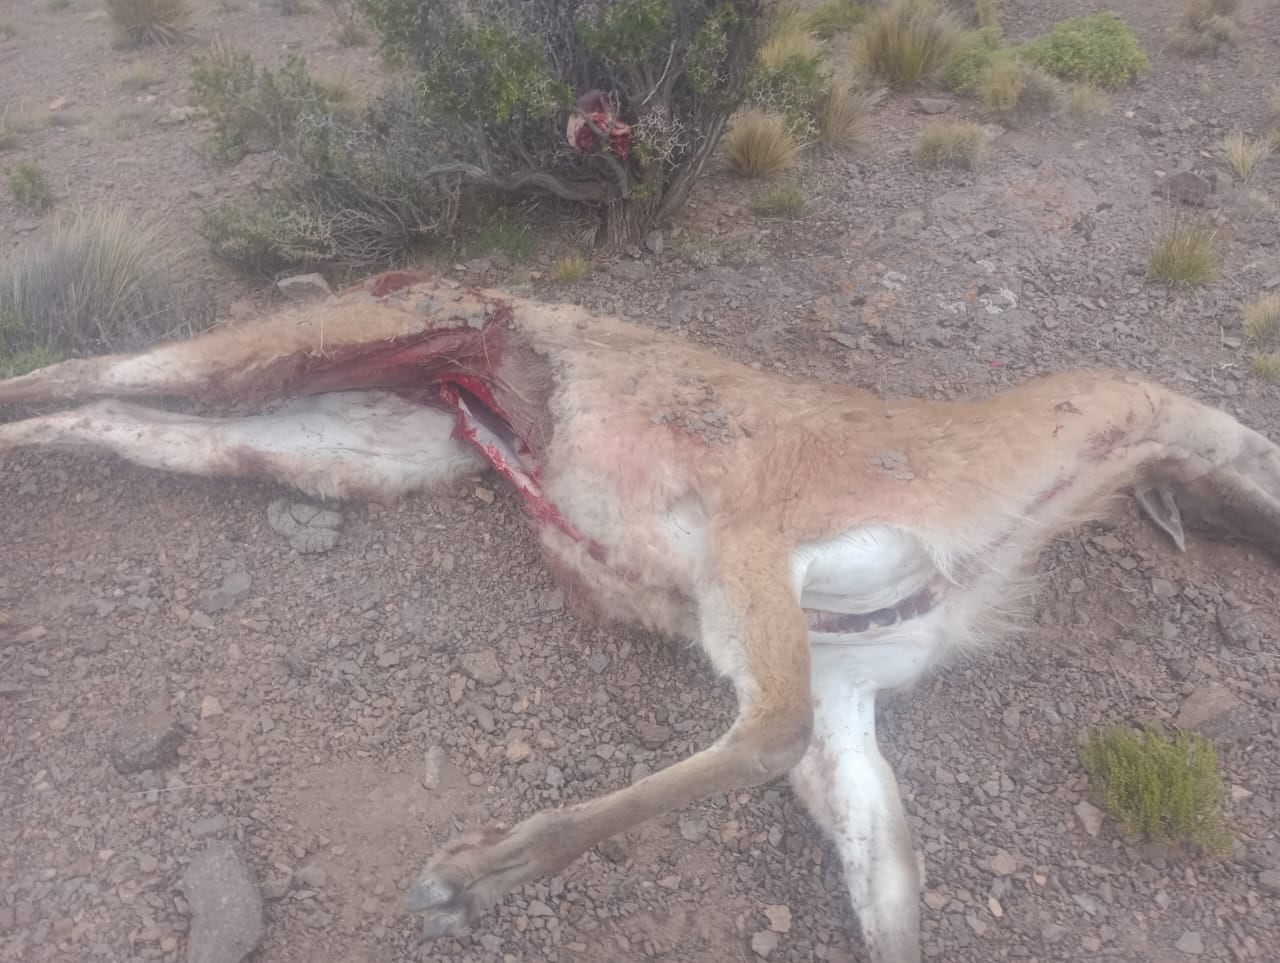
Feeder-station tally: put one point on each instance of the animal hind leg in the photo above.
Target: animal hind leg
(850, 790)
(343, 445)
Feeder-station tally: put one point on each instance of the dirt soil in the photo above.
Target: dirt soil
(341, 715)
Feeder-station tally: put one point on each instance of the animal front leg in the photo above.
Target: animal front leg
(344, 445)
(852, 793)
(754, 631)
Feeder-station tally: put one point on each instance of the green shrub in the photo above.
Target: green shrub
(503, 76)
(25, 361)
(977, 51)
(353, 195)
(785, 200)
(1010, 88)
(256, 109)
(1100, 49)
(505, 235)
(29, 186)
(1164, 790)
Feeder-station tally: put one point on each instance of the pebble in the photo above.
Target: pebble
(779, 918)
(313, 877)
(1002, 864)
(432, 771)
(1090, 817)
(764, 943)
(694, 828)
(210, 707)
(1190, 943)
(482, 666)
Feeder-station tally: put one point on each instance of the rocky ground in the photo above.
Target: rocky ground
(192, 709)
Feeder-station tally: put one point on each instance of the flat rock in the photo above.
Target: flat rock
(1190, 943)
(1214, 711)
(482, 665)
(304, 287)
(1090, 817)
(233, 588)
(226, 906)
(932, 105)
(147, 741)
(764, 943)
(309, 529)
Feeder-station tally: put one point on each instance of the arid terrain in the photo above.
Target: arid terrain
(338, 716)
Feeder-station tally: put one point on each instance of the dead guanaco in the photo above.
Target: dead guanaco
(819, 543)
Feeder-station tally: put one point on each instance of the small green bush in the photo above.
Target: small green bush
(1168, 791)
(29, 186)
(256, 109)
(977, 51)
(1186, 255)
(785, 200)
(502, 234)
(1100, 49)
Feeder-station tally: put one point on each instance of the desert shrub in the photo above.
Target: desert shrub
(1266, 365)
(836, 17)
(843, 114)
(1261, 317)
(785, 200)
(1010, 87)
(790, 75)
(1185, 255)
(976, 51)
(950, 143)
(1206, 26)
(987, 13)
(142, 22)
(1162, 789)
(134, 77)
(352, 195)
(759, 144)
(1244, 153)
(257, 109)
(29, 186)
(571, 269)
(909, 42)
(647, 87)
(502, 232)
(1100, 49)
(1086, 100)
(96, 284)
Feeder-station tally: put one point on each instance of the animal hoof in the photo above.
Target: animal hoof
(456, 886)
(443, 905)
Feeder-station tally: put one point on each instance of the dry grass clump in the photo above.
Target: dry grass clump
(97, 284)
(134, 78)
(836, 17)
(1086, 100)
(139, 23)
(1206, 26)
(1244, 153)
(1010, 87)
(785, 200)
(843, 113)
(1162, 789)
(1272, 121)
(1186, 255)
(30, 188)
(571, 269)
(951, 143)
(790, 36)
(908, 42)
(1266, 365)
(758, 144)
(1262, 317)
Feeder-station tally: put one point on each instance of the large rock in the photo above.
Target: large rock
(147, 741)
(1215, 712)
(226, 906)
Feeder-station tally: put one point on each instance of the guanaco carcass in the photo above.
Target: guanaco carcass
(821, 545)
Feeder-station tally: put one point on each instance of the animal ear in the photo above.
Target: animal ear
(1161, 508)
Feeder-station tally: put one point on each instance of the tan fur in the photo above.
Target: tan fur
(646, 428)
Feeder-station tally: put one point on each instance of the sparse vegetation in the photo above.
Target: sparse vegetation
(836, 17)
(1266, 365)
(1262, 317)
(1272, 121)
(758, 143)
(29, 186)
(1086, 100)
(987, 13)
(1162, 789)
(951, 143)
(135, 77)
(503, 233)
(57, 6)
(975, 53)
(571, 269)
(1010, 87)
(1206, 26)
(95, 285)
(256, 109)
(10, 130)
(785, 200)
(348, 31)
(1185, 255)
(843, 114)
(1245, 153)
(909, 42)
(790, 75)
(1100, 49)
(139, 23)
